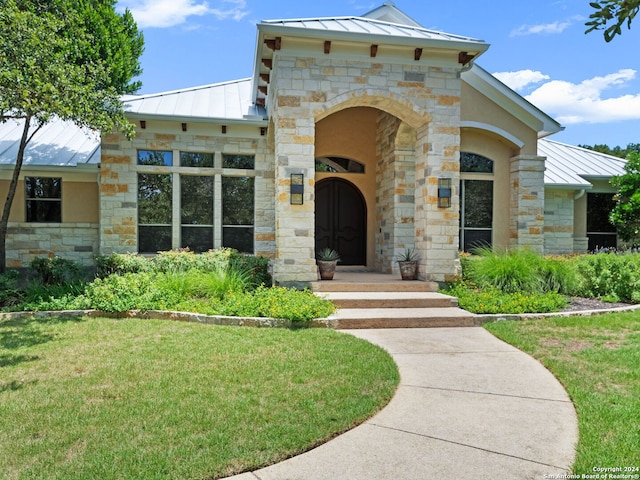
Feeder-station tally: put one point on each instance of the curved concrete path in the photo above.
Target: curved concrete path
(469, 406)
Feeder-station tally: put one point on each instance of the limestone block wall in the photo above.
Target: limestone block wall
(72, 241)
(558, 221)
(306, 89)
(527, 203)
(119, 171)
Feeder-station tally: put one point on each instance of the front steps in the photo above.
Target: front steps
(374, 301)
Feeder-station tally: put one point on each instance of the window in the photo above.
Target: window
(246, 162)
(338, 165)
(154, 212)
(190, 159)
(476, 201)
(238, 213)
(196, 213)
(43, 199)
(600, 231)
(155, 157)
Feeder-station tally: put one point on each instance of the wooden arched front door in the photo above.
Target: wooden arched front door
(341, 220)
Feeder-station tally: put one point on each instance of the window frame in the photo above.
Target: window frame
(478, 175)
(43, 199)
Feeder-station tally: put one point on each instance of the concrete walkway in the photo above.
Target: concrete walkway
(469, 406)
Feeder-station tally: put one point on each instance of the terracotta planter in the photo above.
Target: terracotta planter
(326, 269)
(408, 270)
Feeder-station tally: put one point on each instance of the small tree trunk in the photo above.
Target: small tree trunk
(13, 186)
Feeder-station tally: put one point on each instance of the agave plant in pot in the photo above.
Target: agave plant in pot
(408, 264)
(327, 259)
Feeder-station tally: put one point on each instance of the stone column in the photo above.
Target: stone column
(294, 262)
(526, 222)
(437, 237)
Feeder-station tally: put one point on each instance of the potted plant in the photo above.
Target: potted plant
(327, 259)
(408, 264)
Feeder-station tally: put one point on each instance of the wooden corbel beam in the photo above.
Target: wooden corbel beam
(265, 77)
(273, 44)
(464, 58)
(262, 89)
(327, 47)
(417, 53)
(267, 62)
(374, 51)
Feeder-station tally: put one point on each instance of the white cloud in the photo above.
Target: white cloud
(168, 13)
(520, 79)
(553, 28)
(584, 102)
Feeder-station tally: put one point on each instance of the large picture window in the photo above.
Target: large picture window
(476, 201)
(196, 213)
(600, 231)
(43, 199)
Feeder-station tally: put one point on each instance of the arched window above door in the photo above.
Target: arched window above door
(474, 163)
(338, 165)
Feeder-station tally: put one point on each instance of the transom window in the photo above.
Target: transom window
(181, 209)
(476, 201)
(43, 199)
(338, 165)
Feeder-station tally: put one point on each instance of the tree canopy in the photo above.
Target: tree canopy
(610, 15)
(66, 59)
(626, 213)
(615, 151)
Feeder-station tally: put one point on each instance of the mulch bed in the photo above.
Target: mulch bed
(577, 304)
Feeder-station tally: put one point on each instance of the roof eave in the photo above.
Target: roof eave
(253, 121)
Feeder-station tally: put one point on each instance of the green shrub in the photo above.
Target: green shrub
(121, 263)
(10, 294)
(492, 300)
(277, 302)
(131, 291)
(257, 268)
(200, 284)
(509, 271)
(610, 276)
(185, 260)
(56, 270)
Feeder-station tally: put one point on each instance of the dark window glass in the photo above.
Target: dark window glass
(153, 239)
(43, 199)
(237, 200)
(155, 157)
(247, 162)
(600, 231)
(472, 163)
(476, 213)
(240, 238)
(338, 165)
(197, 239)
(192, 159)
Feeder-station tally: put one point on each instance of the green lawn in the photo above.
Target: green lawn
(104, 398)
(597, 359)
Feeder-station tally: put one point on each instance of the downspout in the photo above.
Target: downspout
(580, 194)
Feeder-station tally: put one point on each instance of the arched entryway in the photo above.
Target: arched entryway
(341, 220)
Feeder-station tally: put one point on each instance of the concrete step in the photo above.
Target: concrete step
(360, 318)
(337, 285)
(389, 299)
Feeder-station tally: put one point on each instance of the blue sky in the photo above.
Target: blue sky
(537, 48)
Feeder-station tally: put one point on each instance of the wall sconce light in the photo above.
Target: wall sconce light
(296, 192)
(143, 124)
(444, 192)
(184, 127)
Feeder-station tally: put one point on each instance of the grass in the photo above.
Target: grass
(597, 359)
(104, 398)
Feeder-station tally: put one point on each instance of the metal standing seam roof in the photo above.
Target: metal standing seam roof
(228, 100)
(571, 166)
(58, 143)
(368, 26)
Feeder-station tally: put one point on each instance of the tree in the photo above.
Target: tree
(616, 11)
(66, 59)
(615, 151)
(626, 213)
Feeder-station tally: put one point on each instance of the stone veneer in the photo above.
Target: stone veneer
(304, 90)
(72, 241)
(558, 222)
(526, 221)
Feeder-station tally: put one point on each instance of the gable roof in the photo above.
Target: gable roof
(568, 166)
(58, 143)
(225, 101)
(390, 13)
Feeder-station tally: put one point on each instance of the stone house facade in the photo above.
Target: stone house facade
(365, 134)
